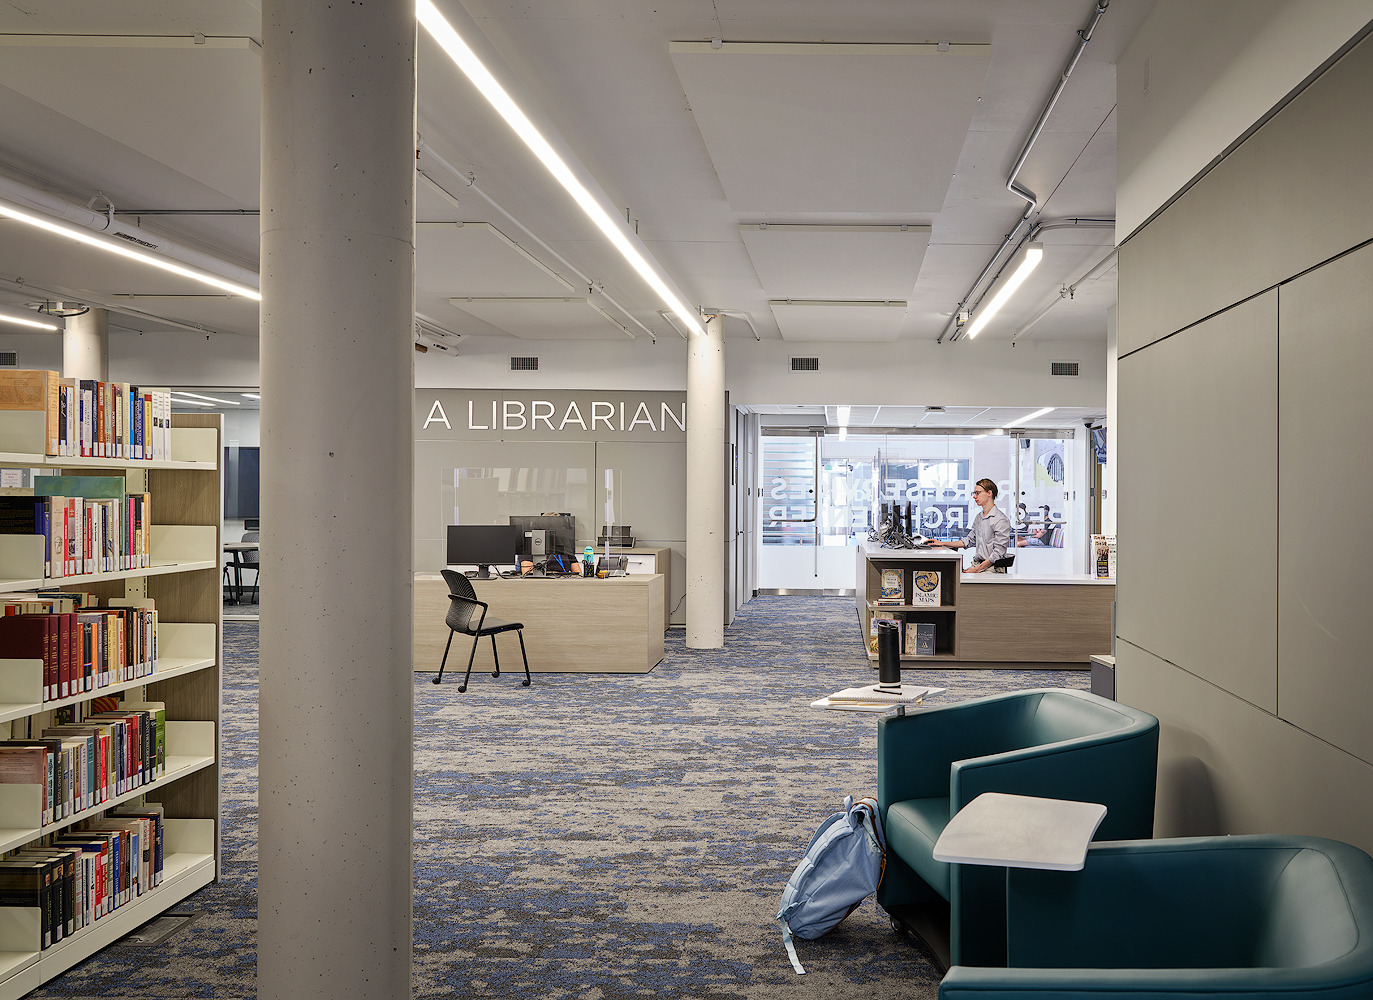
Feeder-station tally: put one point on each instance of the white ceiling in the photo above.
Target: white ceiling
(836, 124)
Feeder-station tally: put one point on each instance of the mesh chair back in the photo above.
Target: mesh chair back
(463, 614)
(458, 584)
(249, 556)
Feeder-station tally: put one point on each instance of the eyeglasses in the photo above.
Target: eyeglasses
(976, 492)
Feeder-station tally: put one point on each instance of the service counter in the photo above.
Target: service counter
(990, 619)
(571, 625)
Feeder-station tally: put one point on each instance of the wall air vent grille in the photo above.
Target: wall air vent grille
(1070, 369)
(805, 364)
(524, 364)
(9, 359)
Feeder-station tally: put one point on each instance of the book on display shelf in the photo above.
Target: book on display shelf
(925, 588)
(872, 629)
(920, 638)
(892, 589)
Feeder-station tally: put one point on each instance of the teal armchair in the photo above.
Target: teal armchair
(1053, 743)
(1240, 918)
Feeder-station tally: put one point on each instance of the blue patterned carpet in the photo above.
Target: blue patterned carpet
(628, 837)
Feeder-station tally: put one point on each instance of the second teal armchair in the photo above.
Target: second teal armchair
(1053, 743)
(1257, 917)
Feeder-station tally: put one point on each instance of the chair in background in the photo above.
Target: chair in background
(1052, 743)
(248, 560)
(1005, 562)
(1242, 917)
(469, 616)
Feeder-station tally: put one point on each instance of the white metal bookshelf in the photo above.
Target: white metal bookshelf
(184, 584)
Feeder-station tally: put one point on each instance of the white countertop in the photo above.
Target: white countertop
(1080, 579)
(882, 552)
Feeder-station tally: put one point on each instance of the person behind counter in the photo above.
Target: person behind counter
(990, 531)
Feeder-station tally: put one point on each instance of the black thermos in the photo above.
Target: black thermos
(889, 654)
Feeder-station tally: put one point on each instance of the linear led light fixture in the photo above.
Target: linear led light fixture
(36, 320)
(212, 399)
(1029, 416)
(1030, 255)
(462, 55)
(111, 245)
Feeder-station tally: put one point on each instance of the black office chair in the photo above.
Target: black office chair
(1004, 562)
(249, 560)
(463, 608)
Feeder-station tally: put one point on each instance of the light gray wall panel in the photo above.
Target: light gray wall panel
(651, 497)
(1197, 489)
(1326, 348)
(1279, 204)
(1228, 767)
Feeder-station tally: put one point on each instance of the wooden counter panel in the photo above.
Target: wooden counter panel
(1034, 622)
(574, 625)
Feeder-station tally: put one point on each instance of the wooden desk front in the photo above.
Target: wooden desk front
(570, 625)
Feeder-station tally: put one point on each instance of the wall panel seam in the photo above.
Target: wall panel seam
(1244, 701)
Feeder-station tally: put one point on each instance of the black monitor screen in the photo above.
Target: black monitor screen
(481, 545)
(561, 528)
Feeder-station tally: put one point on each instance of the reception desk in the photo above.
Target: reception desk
(571, 625)
(990, 619)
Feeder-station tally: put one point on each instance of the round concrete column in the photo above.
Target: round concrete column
(705, 535)
(86, 346)
(335, 702)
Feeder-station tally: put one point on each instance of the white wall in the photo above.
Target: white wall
(178, 358)
(971, 373)
(1197, 75)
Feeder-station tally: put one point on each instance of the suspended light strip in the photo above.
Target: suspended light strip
(111, 245)
(1033, 254)
(451, 43)
(212, 399)
(7, 317)
(189, 402)
(250, 395)
(1031, 416)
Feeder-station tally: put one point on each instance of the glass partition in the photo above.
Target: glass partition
(822, 493)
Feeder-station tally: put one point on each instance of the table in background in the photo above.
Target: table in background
(573, 625)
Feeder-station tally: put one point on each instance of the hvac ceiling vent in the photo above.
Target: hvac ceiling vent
(805, 364)
(524, 364)
(9, 359)
(1070, 369)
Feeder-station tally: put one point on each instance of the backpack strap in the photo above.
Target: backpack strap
(791, 949)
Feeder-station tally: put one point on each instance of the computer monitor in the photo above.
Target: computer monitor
(482, 545)
(561, 528)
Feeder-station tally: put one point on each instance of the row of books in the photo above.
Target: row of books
(82, 651)
(83, 764)
(919, 636)
(82, 535)
(924, 588)
(82, 875)
(89, 418)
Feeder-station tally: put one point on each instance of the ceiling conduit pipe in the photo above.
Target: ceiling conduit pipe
(1020, 191)
(471, 182)
(33, 199)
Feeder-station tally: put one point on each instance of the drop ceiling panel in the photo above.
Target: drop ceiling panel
(840, 322)
(847, 128)
(477, 259)
(836, 262)
(570, 318)
(205, 126)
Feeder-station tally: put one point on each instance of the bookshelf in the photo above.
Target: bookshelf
(183, 581)
(873, 560)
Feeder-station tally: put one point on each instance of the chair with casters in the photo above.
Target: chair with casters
(469, 616)
(1242, 917)
(1051, 743)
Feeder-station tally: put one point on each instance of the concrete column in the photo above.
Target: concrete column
(86, 346)
(705, 528)
(335, 703)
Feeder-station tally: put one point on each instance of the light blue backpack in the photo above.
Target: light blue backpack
(843, 866)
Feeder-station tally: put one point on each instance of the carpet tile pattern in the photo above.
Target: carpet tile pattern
(597, 836)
